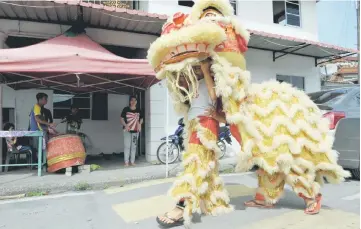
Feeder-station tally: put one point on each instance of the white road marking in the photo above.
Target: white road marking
(352, 197)
(46, 197)
(135, 211)
(236, 174)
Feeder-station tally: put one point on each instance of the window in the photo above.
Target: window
(286, 13)
(63, 102)
(295, 81)
(328, 97)
(188, 3)
(117, 3)
(234, 5)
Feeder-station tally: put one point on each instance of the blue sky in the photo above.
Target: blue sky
(337, 22)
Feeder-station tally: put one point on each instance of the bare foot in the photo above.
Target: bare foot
(173, 217)
(132, 164)
(126, 165)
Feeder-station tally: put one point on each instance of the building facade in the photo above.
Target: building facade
(282, 47)
(295, 19)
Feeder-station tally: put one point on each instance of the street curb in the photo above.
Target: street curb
(12, 197)
(97, 185)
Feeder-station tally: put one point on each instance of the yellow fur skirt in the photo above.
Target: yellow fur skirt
(199, 186)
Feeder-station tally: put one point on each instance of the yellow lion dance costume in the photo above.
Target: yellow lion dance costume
(278, 127)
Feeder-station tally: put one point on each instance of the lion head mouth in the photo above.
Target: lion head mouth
(181, 39)
(185, 51)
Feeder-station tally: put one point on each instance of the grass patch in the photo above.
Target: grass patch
(155, 163)
(106, 186)
(36, 193)
(82, 186)
(94, 167)
(229, 170)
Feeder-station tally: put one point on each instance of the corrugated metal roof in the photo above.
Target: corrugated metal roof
(292, 45)
(350, 70)
(94, 15)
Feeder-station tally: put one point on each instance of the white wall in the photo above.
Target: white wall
(256, 15)
(155, 119)
(25, 100)
(8, 97)
(262, 68)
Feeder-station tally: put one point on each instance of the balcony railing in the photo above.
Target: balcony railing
(133, 5)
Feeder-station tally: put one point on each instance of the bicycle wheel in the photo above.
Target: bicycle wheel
(173, 153)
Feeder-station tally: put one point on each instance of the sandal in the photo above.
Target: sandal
(254, 204)
(175, 223)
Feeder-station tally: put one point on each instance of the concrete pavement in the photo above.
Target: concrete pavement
(135, 206)
(26, 182)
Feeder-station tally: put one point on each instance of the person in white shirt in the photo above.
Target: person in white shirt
(200, 182)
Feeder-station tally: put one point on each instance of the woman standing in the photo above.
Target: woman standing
(132, 121)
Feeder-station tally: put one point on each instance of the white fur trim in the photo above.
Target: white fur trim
(220, 210)
(222, 5)
(223, 195)
(238, 27)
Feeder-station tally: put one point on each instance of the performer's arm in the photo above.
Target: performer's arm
(206, 69)
(65, 119)
(37, 114)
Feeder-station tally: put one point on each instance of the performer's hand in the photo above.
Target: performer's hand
(52, 125)
(211, 112)
(127, 128)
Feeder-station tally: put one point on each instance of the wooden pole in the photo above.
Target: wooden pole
(358, 37)
(1, 125)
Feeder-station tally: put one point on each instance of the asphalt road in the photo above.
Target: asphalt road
(135, 207)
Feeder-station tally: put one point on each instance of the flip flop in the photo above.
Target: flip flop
(254, 204)
(175, 223)
(317, 208)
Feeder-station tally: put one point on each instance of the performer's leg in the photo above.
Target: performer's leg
(270, 189)
(198, 181)
(127, 145)
(304, 185)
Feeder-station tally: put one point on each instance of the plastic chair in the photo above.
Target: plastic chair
(13, 151)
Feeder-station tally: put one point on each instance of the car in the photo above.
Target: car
(342, 107)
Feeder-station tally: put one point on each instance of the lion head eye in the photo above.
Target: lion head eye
(210, 15)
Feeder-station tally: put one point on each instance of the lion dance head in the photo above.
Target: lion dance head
(209, 31)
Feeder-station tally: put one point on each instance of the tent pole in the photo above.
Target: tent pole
(167, 133)
(1, 125)
(140, 133)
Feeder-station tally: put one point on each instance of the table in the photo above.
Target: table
(41, 147)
